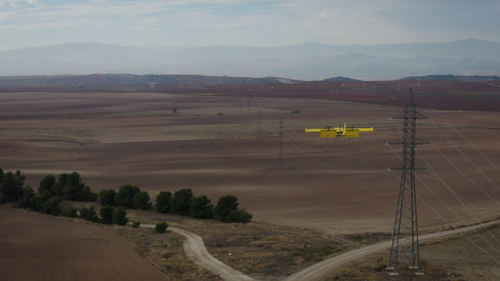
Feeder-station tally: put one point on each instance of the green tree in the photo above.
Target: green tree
(1, 174)
(107, 197)
(161, 227)
(48, 183)
(11, 187)
(224, 206)
(163, 202)
(181, 202)
(27, 195)
(36, 203)
(53, 206)
(106, 214)
(89, 214)
(120, 216)
(227, 210)
(72, 187)
(87, 195)
(141, 201)
(125, 196)
(201, 207)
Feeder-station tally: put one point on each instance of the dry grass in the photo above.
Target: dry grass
(460, 258)
(265, 251)
(166, 252)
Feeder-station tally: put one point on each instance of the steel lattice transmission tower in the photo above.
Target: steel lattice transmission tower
(406, 223)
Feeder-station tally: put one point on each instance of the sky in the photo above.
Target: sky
(26, 23)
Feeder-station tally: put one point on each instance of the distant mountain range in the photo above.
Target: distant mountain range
(130, 82)
(451, 77)
(305, 62)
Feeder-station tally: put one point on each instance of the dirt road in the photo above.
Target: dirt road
(320, 270)
(195, 249)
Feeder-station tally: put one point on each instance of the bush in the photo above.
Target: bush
(107, 197)
(161, 227)
(163, 202)
(125, 196)
(89, 214)
(227, 210)
(181, 202)
(106, 214)
(119, 216)
(239, 215)
(141, 201)
(136, 224)
(48, 183)
(201, 207)
(87, 195)
(224, 206)
(70, 212)
(11, 186)
(27, 195)
(53, 206)
(36, 203)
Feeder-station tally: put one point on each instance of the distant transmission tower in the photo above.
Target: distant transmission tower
(406, 216)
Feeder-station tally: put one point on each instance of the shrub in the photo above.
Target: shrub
(239, 215)
(181, 202)
(89, 214)
(224, 206)
(119, 216)
(27, 195)
(107, 197)
(136, 224)
(87, 195)
(70, 212)
(161, 227)
(11, 186)
(125, 196)
(141, 201)
(48, 183)
(53, 206)
(201, 207)
(163, 202)
(36, 203)
(106, 214)
(227, 210)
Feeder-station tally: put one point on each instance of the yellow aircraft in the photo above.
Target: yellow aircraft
(348, 132)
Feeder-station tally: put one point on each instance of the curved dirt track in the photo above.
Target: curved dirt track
(321, 270)
(195, 249)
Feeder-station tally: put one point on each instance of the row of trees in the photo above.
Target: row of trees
(53, 191)
(182, 202)
(51, 195)
(128, 196)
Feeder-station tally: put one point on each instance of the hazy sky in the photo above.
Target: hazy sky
(25, 23)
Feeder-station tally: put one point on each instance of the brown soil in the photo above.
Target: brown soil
(335, 186)
(41, 247)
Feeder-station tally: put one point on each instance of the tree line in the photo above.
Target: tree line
(54, 191)
(182, 202)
